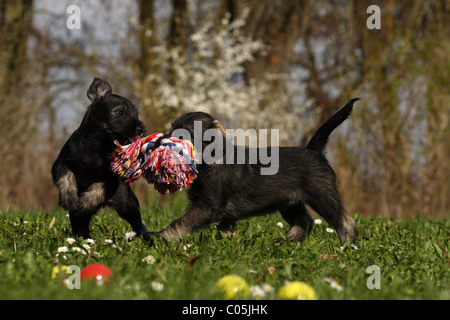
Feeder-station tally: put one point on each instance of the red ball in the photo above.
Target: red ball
(98, 272)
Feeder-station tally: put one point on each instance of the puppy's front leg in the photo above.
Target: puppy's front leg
(67, 186)
(127, 206)
(196, 218)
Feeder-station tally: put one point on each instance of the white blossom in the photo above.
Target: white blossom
(210, 78)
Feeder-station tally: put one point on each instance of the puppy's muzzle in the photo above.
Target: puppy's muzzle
(140, 130)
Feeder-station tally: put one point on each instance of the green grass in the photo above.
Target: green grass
(412, 256)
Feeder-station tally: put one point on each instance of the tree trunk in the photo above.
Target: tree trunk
(15, 128)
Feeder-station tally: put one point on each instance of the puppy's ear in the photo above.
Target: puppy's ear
(220, 127)
(98, 90)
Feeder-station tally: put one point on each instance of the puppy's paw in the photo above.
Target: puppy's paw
(150, 237)
(147, 235)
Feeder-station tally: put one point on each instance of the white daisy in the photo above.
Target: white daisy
(318, 221)
(149, 259)
(280, 224)
(130, 235)
(329, 230)
(257, 292)
(267, 288)
(70, 240)
(336, 286)
(333, 284)
(63, 249)
(91, 241)
(108, 241)
(157, 286)
(78, 249)
(87, 248)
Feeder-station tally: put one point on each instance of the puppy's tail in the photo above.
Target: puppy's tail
(320, 138)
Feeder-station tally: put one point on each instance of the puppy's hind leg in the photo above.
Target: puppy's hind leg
(300, 221)
(328, 205)
(196, 218)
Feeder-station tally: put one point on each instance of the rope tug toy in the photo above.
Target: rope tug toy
(169, 167)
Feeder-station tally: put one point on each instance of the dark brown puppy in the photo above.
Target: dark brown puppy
(82, 170)
(224, 193)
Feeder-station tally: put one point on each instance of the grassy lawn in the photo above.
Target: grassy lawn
(412, 257)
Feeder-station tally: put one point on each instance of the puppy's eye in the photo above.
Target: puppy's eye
(119, 112)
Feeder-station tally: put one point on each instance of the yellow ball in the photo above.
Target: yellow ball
(297, 290)
(233, 287)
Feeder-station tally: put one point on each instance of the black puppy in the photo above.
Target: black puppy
(82, 170)
(224, 193)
